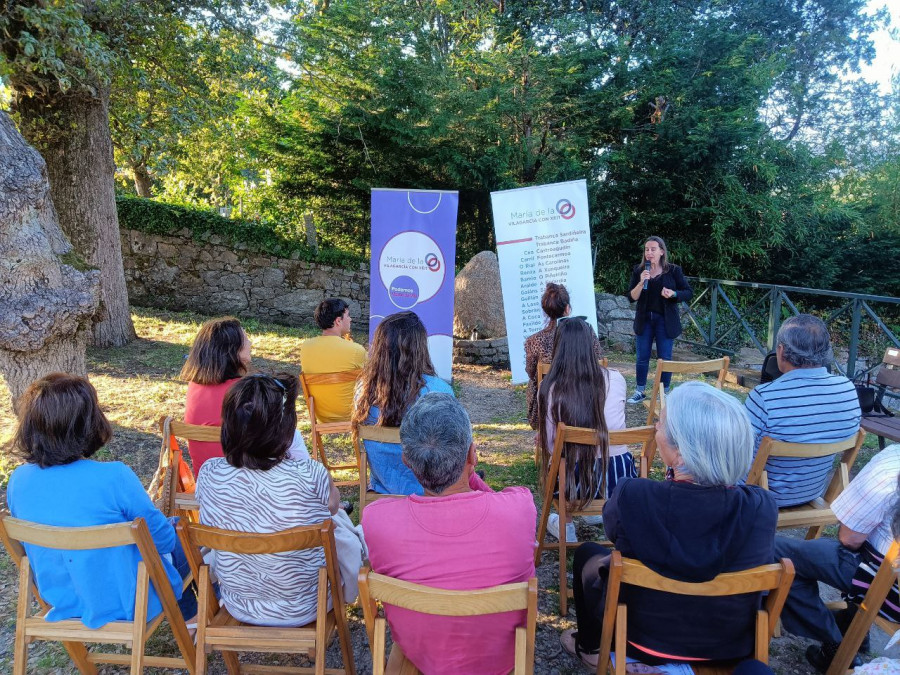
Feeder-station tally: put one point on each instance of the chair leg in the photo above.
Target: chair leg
(20, 648)
(203, 608)
(79, 655)
(232, 663)
(621, 624)
(563, 580)
(140, 620)
(814, 532)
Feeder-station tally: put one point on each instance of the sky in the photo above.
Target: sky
(887, 48)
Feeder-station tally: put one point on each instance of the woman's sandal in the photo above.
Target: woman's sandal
(569, 641)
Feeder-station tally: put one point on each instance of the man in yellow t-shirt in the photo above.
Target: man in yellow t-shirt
(332, 352)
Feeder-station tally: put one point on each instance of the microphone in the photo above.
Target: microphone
(646, 269)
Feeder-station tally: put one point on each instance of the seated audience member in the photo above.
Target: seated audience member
(459, 535)
(332, 352)
(258, 487)
(60, 427)
(539, 347)
(580, 393)
(692, 529)
(398, 371)
(867, 510)
(219, 357)
(805, 405)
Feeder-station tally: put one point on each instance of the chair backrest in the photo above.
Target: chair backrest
(543, 367)
(375, 587)
(195, 537)
(645, 435)
(309, 382)
(769, 447)
(868, 613)
(889, 373)
(775, 578)
(174, 479)
(371, 432)
(15, 532)
(719, 366)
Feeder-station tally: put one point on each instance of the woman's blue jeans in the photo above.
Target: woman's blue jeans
(654, 329)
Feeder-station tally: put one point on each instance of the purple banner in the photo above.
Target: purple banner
(413, 262)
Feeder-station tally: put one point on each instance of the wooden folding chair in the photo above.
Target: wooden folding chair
(775, 578)
(719, 366)
(218, 630)
(440, 602)
(366, 432)
(72, 632)
(179, 493)
(543, 368)
(868, 613)
(308, 383)
(816, 514)
(556, 479)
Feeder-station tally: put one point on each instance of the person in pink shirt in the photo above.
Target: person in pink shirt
(460, 535)
(219, 357)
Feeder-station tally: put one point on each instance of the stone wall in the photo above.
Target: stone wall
(493, 352)
(177, 272)
(615, 319)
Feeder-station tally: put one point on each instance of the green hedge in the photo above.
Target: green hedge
(152, 217)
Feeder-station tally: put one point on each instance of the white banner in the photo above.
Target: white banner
(543, 235)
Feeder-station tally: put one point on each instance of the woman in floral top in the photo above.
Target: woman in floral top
(539, 347)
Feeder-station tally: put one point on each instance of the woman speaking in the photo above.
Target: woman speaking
(657, 286)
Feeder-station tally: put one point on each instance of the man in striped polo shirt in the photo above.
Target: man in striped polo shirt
(805, 405)
(869, 515)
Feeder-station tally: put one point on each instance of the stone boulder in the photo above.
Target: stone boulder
(479, 301)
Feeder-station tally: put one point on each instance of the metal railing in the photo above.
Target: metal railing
(708, 326)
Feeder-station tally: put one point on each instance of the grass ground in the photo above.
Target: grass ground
(138, 384)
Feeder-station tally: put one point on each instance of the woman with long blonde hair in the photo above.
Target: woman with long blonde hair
(399, 371)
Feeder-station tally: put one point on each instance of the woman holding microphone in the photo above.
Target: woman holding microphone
(657, 286)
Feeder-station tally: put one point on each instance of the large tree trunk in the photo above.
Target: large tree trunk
(45, 306)
(141, 180)
(72, 133)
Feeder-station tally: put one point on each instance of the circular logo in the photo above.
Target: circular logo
(414, 256)
(404, 292)
(565, 209)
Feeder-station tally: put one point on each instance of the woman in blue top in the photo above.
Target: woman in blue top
(60, 427)
(399, 371)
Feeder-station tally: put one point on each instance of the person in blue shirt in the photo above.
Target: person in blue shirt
(398, 372)
(60, 427)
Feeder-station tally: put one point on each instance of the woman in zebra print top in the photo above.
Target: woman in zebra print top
(258, 487)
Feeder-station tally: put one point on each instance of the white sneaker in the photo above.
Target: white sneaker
(637, 397)
(593, 520)
(553, 528)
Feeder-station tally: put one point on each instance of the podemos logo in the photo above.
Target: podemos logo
(565, 209)
(433, 262)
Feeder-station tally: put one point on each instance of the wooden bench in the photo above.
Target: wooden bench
(888, 378)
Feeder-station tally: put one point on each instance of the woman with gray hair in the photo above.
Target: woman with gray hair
(691, 528)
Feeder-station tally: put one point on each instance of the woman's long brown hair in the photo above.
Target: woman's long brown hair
(578, 386)
(396, 369)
